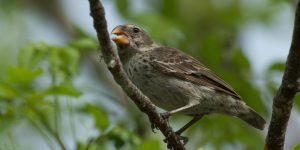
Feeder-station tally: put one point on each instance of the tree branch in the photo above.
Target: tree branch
(283, 101)
(115, 67)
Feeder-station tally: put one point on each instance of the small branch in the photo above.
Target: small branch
(41, 131)
(283, 101)
(115, 67)
(52, 132)
(47, 127)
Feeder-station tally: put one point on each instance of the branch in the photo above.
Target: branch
(283, 101)
(115, 67)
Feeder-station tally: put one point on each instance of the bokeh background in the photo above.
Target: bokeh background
(56, 93)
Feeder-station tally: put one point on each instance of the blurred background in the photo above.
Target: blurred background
(56, 93)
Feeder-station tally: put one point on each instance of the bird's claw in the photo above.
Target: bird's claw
(182, 139)
(153, 127)
(165, 115)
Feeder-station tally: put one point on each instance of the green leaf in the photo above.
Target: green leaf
(122, 136)
(63, 90)
(149, 144)
(84, 44)
(64, 60)
(297, 147)
(7, 92)
(101, 117)
(211, 51)
(241, 60)
(23, 75)
(297, 101)
(278, 66)
(32, 55)
(123, 7)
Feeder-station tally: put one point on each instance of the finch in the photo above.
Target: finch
(176, 82)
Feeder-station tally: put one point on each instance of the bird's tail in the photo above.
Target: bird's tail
(253, 118)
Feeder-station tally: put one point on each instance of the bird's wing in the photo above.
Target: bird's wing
(174, 63)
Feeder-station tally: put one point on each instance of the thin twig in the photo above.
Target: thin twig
(115, 67)
(283, 101)
(53, 133)
(41, 131)
(48, 128)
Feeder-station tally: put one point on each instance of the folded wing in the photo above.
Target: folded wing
(174, 63)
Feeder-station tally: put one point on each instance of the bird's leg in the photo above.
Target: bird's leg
(189, 124)
(167, 114)
(153, 127)
(186, 126)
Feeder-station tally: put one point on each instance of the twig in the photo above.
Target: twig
(52, 132)
(283, 101)
(115, 67)
(41, 131)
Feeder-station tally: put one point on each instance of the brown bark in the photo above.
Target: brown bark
(283, 101)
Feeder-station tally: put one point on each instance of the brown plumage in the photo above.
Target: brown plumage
(174, 63)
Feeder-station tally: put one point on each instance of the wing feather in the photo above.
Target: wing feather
(174, 63)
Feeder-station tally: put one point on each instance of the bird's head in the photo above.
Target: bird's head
(130, 36)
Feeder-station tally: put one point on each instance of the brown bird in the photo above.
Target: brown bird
(177, 82)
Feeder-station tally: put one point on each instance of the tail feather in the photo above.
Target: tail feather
(253, 118)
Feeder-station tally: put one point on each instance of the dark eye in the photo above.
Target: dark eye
(136, 30)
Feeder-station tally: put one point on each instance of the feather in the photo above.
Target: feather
(173, 62)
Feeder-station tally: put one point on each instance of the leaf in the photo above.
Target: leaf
(241, 60)
(273, 76)
(297, 147)
(123, 7)
(149, 144)
(84, 44)
(64, 60)
(122, 136)
(101, 117)
(63, 90)
(23, 75)
(278, 66)
(7, 92)
(211, 51)
(32, 55)
(297, 101)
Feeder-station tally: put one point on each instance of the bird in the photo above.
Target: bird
(177, 82)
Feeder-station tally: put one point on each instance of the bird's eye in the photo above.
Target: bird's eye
(136, 30)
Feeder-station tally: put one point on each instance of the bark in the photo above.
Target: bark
(283, 101)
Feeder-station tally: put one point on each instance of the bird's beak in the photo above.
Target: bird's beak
(120, 38)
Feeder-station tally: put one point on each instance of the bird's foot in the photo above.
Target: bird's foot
(165, 115)
(153, 127)
(184, 140)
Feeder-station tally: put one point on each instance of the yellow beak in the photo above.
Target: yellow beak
(120, 37)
